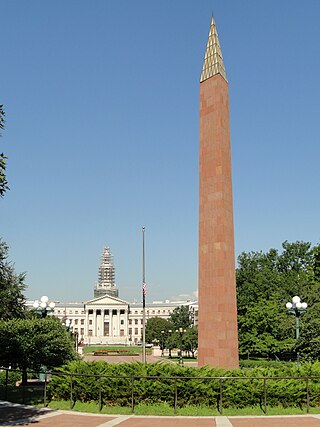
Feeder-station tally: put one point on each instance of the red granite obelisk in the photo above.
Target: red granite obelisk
(217, 320)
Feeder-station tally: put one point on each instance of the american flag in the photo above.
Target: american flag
(144, 293)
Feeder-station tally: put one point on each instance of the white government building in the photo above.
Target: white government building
(107, 319)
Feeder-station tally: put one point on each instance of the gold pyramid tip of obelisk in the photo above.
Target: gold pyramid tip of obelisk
(213, 60)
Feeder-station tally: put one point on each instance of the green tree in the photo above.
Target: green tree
(172, 341)
(3, 180)
(308, 344)
(190, 340)
(181, 317)
(12, 286)
(32, 343)
(316, 264)
(265, 329)
(154, 326)
(265, 282)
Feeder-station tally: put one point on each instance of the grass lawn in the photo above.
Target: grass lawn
(165, 409)
(129, 350)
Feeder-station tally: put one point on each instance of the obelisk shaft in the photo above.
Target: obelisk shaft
(217, 322)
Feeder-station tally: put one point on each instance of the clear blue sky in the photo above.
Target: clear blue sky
(102, 107)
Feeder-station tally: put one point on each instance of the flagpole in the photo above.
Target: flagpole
(144, 359)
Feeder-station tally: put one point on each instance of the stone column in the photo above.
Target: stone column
(86, 322)
(102, 323)
(125, 326)
(111, 322)
(118, 320)
(94, 323)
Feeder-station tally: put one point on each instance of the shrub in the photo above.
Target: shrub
(155, 383)
(13, 377)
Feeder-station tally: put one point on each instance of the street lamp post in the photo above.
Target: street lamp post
(75, 336)
(170, 355)
(162, 343)
(297, 308)
(68, 323)
(43, 306)
(181, 331)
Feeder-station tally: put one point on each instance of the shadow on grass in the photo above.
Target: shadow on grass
(20, 415)
(28, 395)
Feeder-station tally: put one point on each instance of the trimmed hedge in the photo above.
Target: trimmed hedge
(115, 384)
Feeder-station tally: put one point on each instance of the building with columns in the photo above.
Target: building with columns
(107, 319)
(110, 320)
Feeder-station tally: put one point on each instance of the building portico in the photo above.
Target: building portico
(106, 321)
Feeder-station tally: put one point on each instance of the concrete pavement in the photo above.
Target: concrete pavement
(14, 415)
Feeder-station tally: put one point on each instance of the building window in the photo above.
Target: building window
(121, 322)
(82, 331)
(141, 321)
(90, 311)
(76, 312)
(98, 312)
(130, 331)
(90, 322)
(75, 321)
(121, 311)
(136, 331)
(82, 321)
(106, 312)
(114, 312)
(135, 321)
(130, 321)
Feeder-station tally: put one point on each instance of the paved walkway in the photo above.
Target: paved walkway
(19, 415)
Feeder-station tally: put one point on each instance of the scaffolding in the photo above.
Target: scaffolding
(106, 284)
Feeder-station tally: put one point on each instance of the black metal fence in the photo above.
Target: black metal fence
(36, 389)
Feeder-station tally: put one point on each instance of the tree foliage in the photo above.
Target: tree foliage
(3, 180)
(181, 317)
(154, 327)
(166, 331)
(265, 282)
(32, 343)
(190, 340)
(12, 287)
(308, 344)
